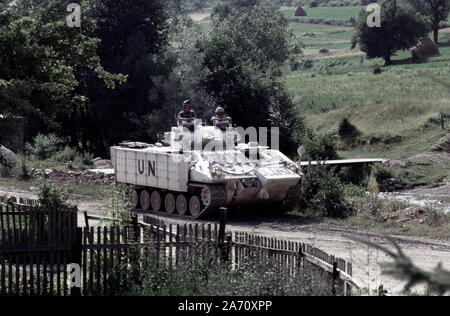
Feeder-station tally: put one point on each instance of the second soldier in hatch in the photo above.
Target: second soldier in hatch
(187, 115)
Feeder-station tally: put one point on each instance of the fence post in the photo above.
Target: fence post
(382, 291)
(227, 249)
(76, 254)
(221, 237)
(86, 219)
(301, 256)
(134, 219)
(335, 278)
(223, 222)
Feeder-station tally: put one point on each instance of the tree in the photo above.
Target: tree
(40, 58)
(244, 52)
(436, 10)
(134, 39)
(401, 28)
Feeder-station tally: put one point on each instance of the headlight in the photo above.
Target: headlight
(293, 167)
(217, 171)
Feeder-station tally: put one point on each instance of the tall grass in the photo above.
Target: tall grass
(202, 274)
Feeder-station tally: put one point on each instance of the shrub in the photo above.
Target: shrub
(372, 186)
(382, 172)
(313, 4)
(50, 195)
(118, 204)
(435, 214)
(85, 160)
(356, 174)
(44, 146)
(73, 158)
(351, 190)
(323, 192)
(294, 64)
(318, 146)
(347, 130)
(377, 70)
(66, 155)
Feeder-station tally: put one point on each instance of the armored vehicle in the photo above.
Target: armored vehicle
(199, 169)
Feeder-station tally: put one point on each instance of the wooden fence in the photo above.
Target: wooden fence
(42, 224)
(290, 254)
(37, 264)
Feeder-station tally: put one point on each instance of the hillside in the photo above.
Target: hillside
(397, 111)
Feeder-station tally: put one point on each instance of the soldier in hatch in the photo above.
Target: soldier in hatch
(220, 118)
(187, 114)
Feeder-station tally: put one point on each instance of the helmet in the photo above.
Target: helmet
(220, 110)
(187, 102)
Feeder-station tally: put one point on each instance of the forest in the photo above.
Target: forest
(125, 72)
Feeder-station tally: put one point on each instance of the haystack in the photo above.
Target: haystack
(300, 12)
(425, 48)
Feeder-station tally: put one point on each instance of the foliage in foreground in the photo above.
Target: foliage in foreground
(203, 274)
(118, 203)
(438, 280)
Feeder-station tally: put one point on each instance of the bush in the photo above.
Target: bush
(356, 174)
(381, 172)
(50, 196)
(373, 186)
(318, 146)
(73, 158)
(436, 215)
(313, 4)
(82, 161)
(44, 146)
(322, 192)
(119, 205)
(377, 70)
(351, 190)
(68, 154)
(347, 130)
(294, 64)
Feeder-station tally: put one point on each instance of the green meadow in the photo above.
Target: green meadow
(343, 13)
(396, 111)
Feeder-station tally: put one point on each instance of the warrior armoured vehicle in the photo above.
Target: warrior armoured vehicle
(200, 169)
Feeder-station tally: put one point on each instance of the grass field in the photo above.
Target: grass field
(399, 108)
(343, 13)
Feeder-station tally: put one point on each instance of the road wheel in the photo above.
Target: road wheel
(170, 203)
(156, 201)
(134, 197)
(195, 206)
(182, 204)
(145, 200)
(206, 196)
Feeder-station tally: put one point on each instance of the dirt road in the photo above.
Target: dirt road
(425, 252)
